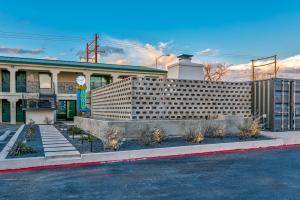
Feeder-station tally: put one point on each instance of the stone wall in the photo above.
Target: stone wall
(152, 98)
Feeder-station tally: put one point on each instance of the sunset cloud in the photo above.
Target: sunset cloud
(208, 52)
(6, 50)
(136, 53)
(288, 68)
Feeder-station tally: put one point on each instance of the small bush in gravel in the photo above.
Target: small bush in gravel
(73, 130)
(249, 128)
(90, 139)
(20, 149)
(213, 129)
(47, 120)
(113, 138)
(192, 133)
(30, 131)
(151, 134)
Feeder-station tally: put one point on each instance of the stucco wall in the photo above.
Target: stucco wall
(132, 128)
(39, 116)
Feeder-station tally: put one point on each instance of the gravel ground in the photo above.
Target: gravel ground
(5, 127)
(35, 143)
(136, 144)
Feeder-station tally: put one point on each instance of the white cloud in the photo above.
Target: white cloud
(137, 53)
(208, 52)
(6, 50)
(50, 58)
(288, 68)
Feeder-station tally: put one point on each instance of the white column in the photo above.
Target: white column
(12, 79)
(13, 111)
(55, 80)
(115, 77)
(87, 80)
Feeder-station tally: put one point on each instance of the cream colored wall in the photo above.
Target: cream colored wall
(39, 116)
(67, 77)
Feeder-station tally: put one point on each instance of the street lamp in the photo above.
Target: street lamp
(156, 60)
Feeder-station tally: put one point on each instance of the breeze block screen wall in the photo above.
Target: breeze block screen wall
(153, 98)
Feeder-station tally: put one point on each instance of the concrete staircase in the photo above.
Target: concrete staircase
(55, 145)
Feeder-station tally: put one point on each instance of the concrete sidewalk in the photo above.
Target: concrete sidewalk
(280, 140)
(55, 144)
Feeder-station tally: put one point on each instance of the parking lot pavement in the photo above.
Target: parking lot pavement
(272, 174)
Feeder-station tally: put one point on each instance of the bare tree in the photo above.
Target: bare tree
(214, 72)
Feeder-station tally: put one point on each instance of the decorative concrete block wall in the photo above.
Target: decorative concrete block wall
(113, 101)
(152, 98)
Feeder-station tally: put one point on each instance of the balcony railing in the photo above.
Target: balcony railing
(66, 87)
(39, 104)
(31, 87)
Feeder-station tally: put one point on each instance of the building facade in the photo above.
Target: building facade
(45, 90)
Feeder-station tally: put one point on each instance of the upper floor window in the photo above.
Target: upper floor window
(100, 81)
(45, 81)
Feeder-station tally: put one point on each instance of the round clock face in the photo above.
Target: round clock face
(80, 80)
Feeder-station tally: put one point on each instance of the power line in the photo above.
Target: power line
(106, 42)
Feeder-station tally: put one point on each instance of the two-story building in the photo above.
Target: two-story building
(42, 90)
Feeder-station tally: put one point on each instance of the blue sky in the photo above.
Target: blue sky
(222, 31)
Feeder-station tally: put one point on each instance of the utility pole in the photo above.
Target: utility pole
(92, 49)
(274, 62)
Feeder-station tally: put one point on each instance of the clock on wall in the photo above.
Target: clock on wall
(80, 80)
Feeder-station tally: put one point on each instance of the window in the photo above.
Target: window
(45, 81)
(99, 81)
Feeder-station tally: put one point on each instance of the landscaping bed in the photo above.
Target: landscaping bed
(34, 143)
(97, 146)
(3, 129)
(3, 143)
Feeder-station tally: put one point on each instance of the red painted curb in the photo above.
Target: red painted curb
(147, 158)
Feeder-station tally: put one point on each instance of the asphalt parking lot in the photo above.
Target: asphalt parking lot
(272, 174)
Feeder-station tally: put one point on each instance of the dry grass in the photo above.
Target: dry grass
(214, 129)
(249, 128)
(192, 133)
(113, 138)
(151, 134)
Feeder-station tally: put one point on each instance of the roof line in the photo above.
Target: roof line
(36, 61)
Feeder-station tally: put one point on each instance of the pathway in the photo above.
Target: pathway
(55, 144)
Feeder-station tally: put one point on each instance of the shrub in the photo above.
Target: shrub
(74, 130)
(192, 133)
(152, 135)
(214, 129)
(90, 138)
(249, 128)
(47, 120)
(30, 131)
(20, 149)
(113, 139)
(31, 122)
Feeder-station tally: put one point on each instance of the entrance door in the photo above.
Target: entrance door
(5, 111)
(20, 113)
(71, 109)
